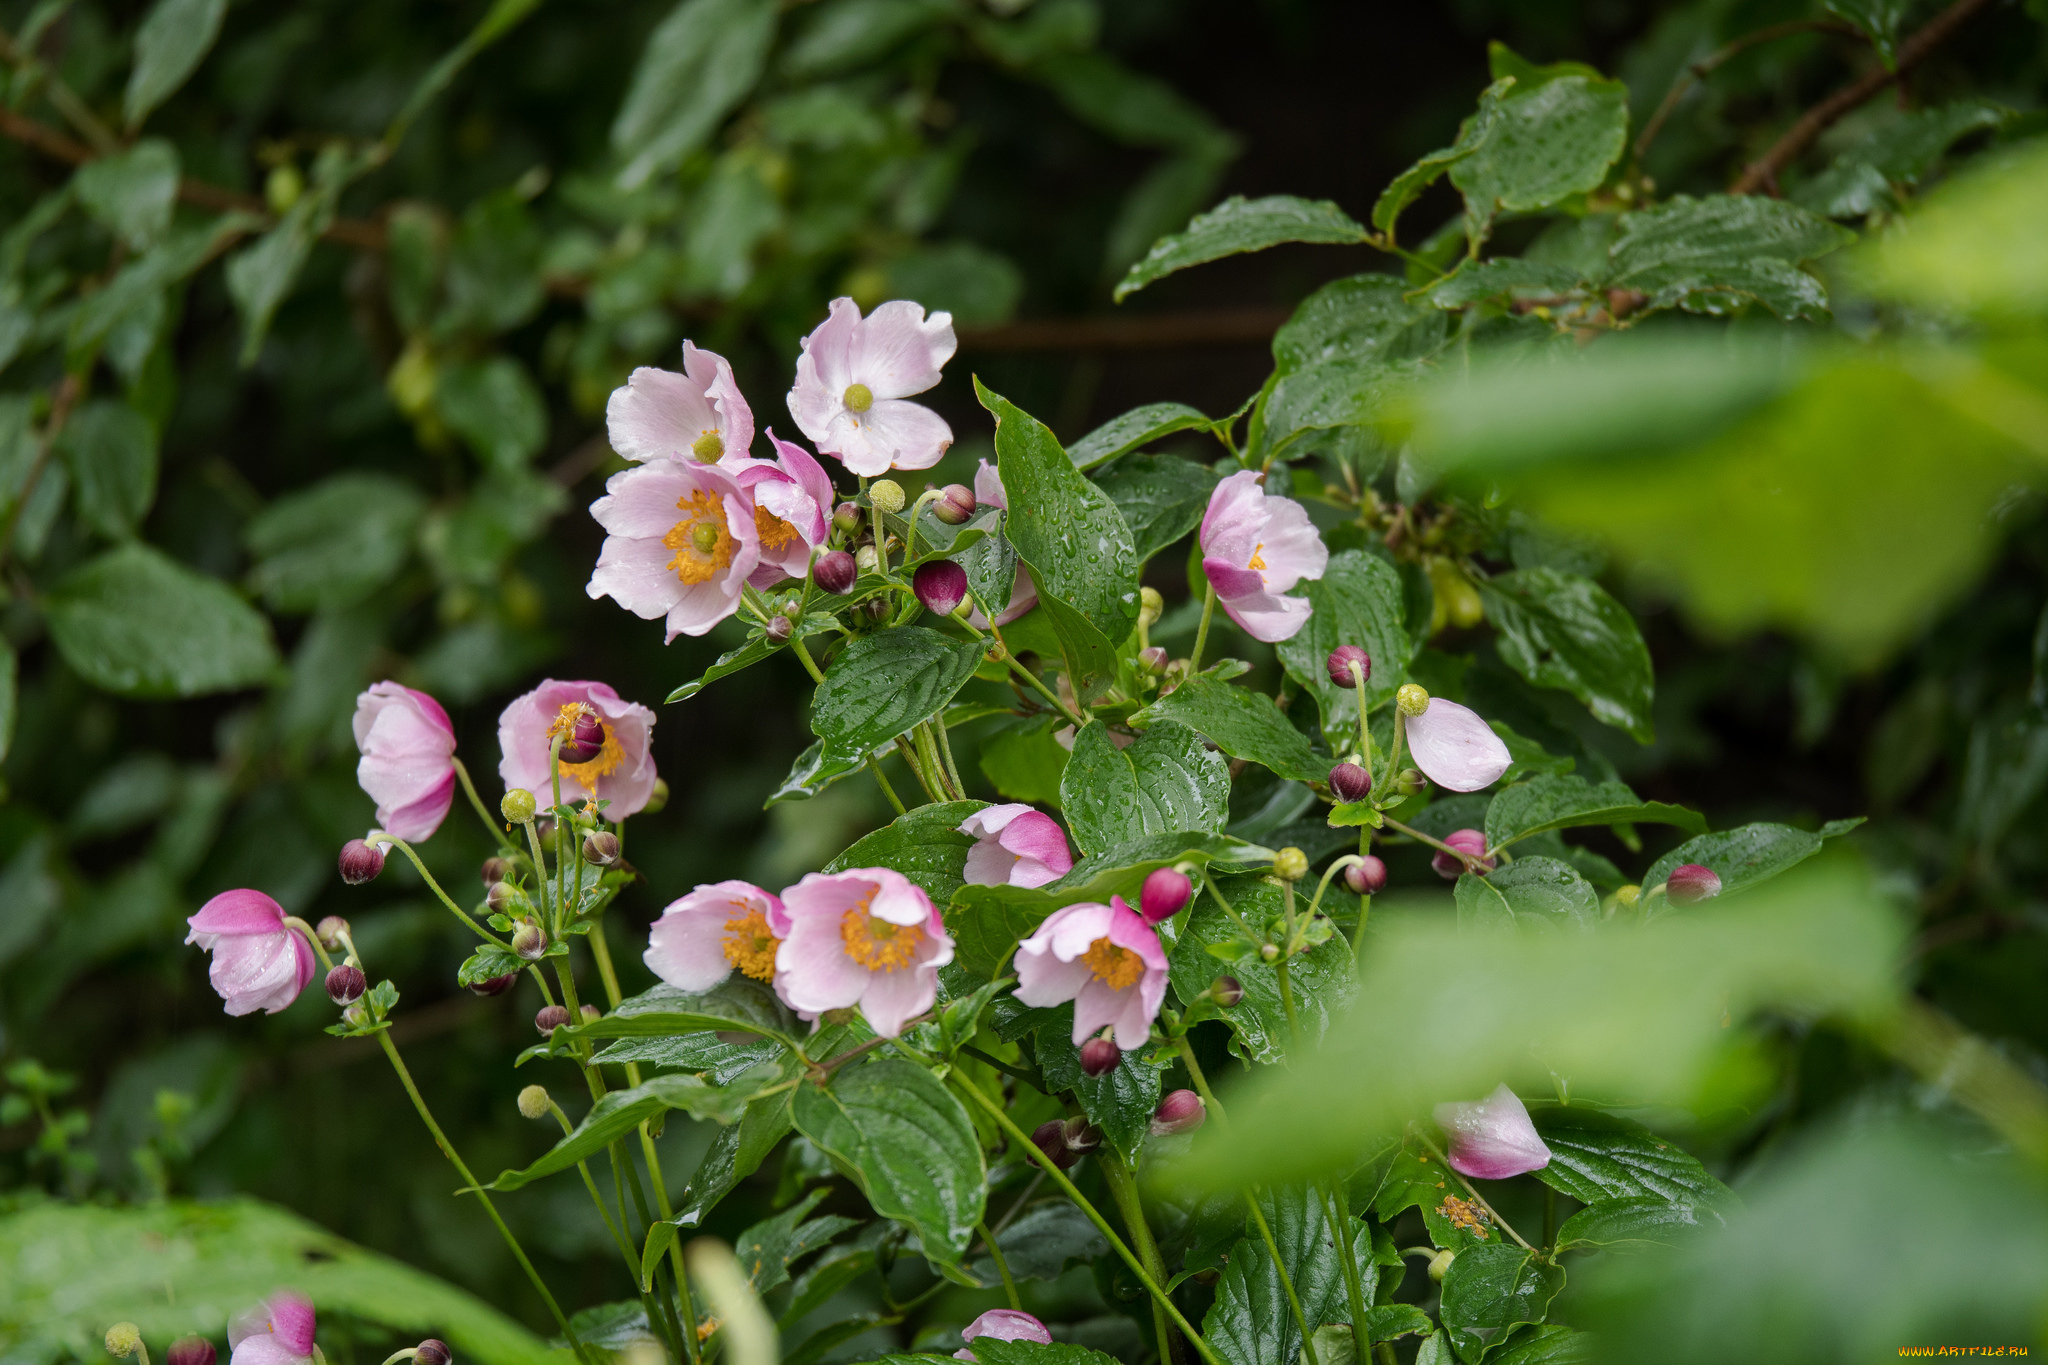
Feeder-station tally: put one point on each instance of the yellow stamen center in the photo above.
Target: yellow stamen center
(1118, 968)
(702, 544)
(877, 944)
(774, 531)
(749, 944)
(858, 398)
(708, 447)
(1258, 560)
(608, 758)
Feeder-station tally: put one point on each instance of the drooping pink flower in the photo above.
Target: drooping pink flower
(853, 376)
(868, 937)
(701, 937)
(621, 774)
(258, 963)
(408, 762)
(1003, 1324)
(792, 498)
(1255, 548)
(1015, 845)
(279, 1332)
(1105, 959)
(680, 542)
(1492, 1138)
(1455, 748)
(697, 416)
(988, 492)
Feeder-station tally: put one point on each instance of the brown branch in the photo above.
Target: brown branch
(1763, 173)
(1698, 71)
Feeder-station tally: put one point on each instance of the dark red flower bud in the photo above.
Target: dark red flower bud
(1349, 782)
(585, 739)
(1050, 1138)
(360, 862)
(1340, 665)
(778, 629)
(549, 1018)
(495, 985)
(940, 584)
(190, 1351)
(954, 505)
(1368, 878)
(835, 572)
(1099, 1056)
(1165, 894)
(1080, 1135)
(846, 516)
(1226, 991)
(496, 870)
(433, 1351)
(1180, 1111)
(1691, 883)
(346, 984)
(601, 848)
(1467, 841)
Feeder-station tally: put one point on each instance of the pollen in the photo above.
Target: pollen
(1258, 560)
(608, 758)
(1465, 1214)
(702, 544)
(774, 531)
(749, 943)
(875, 943)
(1118, 968)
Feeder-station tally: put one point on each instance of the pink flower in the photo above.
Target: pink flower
(1015, 845)
(258, 963)
(697, 415)
(408, 765)
(1455, 748)
(867, 937)
(988, 492)
(699, 939)
(1003, 1324)
(680, 542)
(1254, 548)
(621, 774)
(279, 1332)
(853, 376)
(1492, 1139)
(1105, 959)
(792, 498)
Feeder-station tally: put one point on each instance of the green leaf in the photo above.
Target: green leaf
(173, 40)
(1134, 430)
(10, 706)
(1024, 762)
(768, 1248)
(925, 845)
(1161, 497)
(1239, 225)
(1625, 1225)
(1086, 653)
(112, 454)
(736, 1152)
(1321, 978)
(1528, 893)
(1546, 144)
(885, 683)
(174, 1267)
(1874, 173)
(907, 1143)
(1879, 20)
(990, 562)
(1165, 782)
(1503, 277)
(1033, 1353)
(133, 192)
(1548, 1344)
(621, 1111)
(1356, 602)
(1074, 539)
(709, 1053)
(1741, 857)
(696, 67)
(852, 33)
(495, 406)
(1716, 255)
(136, 622)
(980, 287)
(1564, 630)
(737, 1003)
(1243, 723)
(1120, 1103)
(1490, 1290)
(757, 648)
(1337, 393)
(1408, 186)
(1366, 318)
(1972, 244)
(1562, 801)
(334, 544)
(1252, 1322)
(813, 771)
(488, 961)
(1596, 1156)
(1041, 1242)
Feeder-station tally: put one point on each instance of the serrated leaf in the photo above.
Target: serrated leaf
(714, 1056)
(1741, 857)
(1166, 781)
(1252, 1322)
(1547, 1344)
(767, 1249)
(1563, 801)
(1239, 225)
(925, 845)
(1035, 1353)
(1527, 894)
(1408, 186)
(739, 1003)
(621, 1111)
(1161, 497)
(1596, 1156)
(1120, 1102)
(173, 40)
(1503, 277)
(695, 68)
(1363, 318)
(1358, 601)
(1134, 430)
(1547, 143)
(1242, 723)
(1564, 630)
(136, 622)
(885, 683)
(1492, 1289)
(1714, 255)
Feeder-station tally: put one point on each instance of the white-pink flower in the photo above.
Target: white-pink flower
(1015, 845)
(1003, 1324)
(1493, 1138)
(700, 938)
(408, 762)
(853, 376)
(279, 1332)
(697, 415)
(869, 937)
(622, 774)
(1455, 748)
(680, 543)
(988, 492)
(1105, 959)
(792, 497)
(258, 962)
(1255, 548)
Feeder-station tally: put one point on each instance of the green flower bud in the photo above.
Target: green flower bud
(1440, 1264)
(885, 494)
(1150, 606)
(657, 798)
(518, 806)
(1412, 699)
(1290, 864)
(124, 1339)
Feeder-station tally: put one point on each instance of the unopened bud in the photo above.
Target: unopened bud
(601, 848)
(1349, 782)
(544, 830)
(886, 495)
(1440, 1264)
(549, 1018)
(1165, 893)
(1151, 606)
(359, 862)
(1410, 781)
(124, 1339)
(955, 505)
(1469, 842)
(867, 560)
(1080, 1135)
(346, 984)
(190, 1351)
(518, 806)
(496, 870)
(778, 629)
(1152, 658)
(835, 572)
(1269, 952)
(1627, 896)
(1050, 1138)
(1226, 991)
(846, 516)
(494, 985)
(332, 932)
(432, 1351)
(589, 1014)
(530, 941)
(585, 739)
(1179, 1111)
(503, 896)
(657, 798)
(1691, 883)
(1366, 878)
(1349, 665)
(534, 1102)
(876, 609)
(356, 1015)
(1099, 1056)
(1290, 864)
(1412, 699)
(940, 584)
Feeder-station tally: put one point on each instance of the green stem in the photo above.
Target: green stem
(1364, 730)
(1002, 1265)
(875, 767)
(1038, 684)
(1124, 1191)
(604, 1214)
(946, 753)
(1477, 1197)
(1348, 860)
(1308, 1345)
(803, 655)
(910, 759)
(1202, 637)
(1228, 909)
(1471, 863)
(483, 813)
(434, 886)
(1340, 1198)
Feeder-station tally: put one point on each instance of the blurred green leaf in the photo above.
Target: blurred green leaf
(135, 622)
(978, 286)
(843, 34)
(1242, 723)
(883, 684)
(1870, 174)
(112, 452)
(1548, 802)
(1973, 244)
(1357, 601)
(132, 192)
(925, 845)
(1239, 225)
(1167, 781)
(335, 543)
(495, 406)
(699, 63)
(174, 38)
(1878, 19)
(1564, 630)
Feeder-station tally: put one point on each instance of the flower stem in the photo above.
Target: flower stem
(1002, 1265)
(1477, 1197)
(803, 656)
(482, 812)
(1228, 909)
(1124, 1190)
(1471, 863)
(875, 767)
(1338, 865)
(910, 758)
(1364, 730)
(946, 753)
(1340, 1201)
(1202, 633)
(434, 886)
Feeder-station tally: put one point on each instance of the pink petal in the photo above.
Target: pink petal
(253, 972)
(897, 899)
(802, 466)
(264, 1349)
(897, 351)
(1234, 517)
(1455, 748)
(636, 574)
(1128, 929)
(988, 863)
(417, 819)
(700, 606)
(1290, 545)
(1037, 838)
(686, 946)
(1099, 1006)
(988, 487)
(1006, 1324)
(812, 970)
(236, 913)
(291, 1319)
(658, 414)
(1493, 1138)
(1068, 931)
(1043, 980)
(893, 999)
(1232, 580)
(736, 420)
(1267, 618)
(642, 501)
